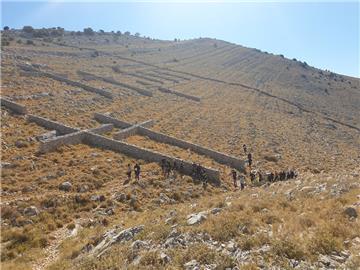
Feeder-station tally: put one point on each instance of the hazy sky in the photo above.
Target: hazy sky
(324, 34)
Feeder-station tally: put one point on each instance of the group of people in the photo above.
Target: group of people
(167, 167)
(273, 176)
(137, 171)
(199, 173)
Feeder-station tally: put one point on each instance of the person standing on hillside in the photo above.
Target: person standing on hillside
(245, 149)
(250, 160)
(137, 171)
(234, 177)
(128, 174)
(242, 182)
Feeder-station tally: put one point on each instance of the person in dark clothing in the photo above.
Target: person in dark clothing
(128, 173)
(250, 160)
(242, 182)
(181, 169)
(168, 168)
(260, 177)
(276, 177)
(137, 170)
(271, 177)
(245, 149)
(234, 177)
(252, 176)
(163, 165)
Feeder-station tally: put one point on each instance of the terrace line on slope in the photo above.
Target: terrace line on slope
(88, 88)
(157, 136)
(90, 137)
(13, 106)
(112, 81)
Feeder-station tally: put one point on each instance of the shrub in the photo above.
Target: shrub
(289, 248)
(127, 33)
(28, 29)
(88, 31)
(324, 242)
(6, 28)
(30, 42)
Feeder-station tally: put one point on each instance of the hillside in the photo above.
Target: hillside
(208, 92)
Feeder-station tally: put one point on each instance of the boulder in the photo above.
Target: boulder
(65, 186)
(193, 219)
(113, 236)
(31, 211)
(83, 189)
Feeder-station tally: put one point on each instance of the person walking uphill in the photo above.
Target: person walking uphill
(250, 160)
(234, 177)
(137, 171)
(128, 174)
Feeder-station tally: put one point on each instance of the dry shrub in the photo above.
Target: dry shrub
(223, 227)
(288, 247)
(204, 255)
(151, 258)
(248, 242)
(156, 232)
(324, 242)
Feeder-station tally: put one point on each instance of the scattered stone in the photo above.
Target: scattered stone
(350, 212)
(138, 244)
(165, 259)
(46, 136)
(192, 265)
(31, 211)
(97, 198)
(193, 219)
(215, 211)
(83, 189)
(21, 144)
(231, 246)
(120, 197)
(7, 165)
(65, 186)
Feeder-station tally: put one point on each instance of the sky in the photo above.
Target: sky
(324, 34)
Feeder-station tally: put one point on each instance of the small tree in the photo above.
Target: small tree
(28, 29)
(6, 28)
(127, 33)
(137, 34)
(88, 31)
(101, 31)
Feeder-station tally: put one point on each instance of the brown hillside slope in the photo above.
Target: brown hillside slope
(289, 115)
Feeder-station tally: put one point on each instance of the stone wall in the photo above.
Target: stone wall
(51, 125)
(112, 81)
(103, 118)
(116, 69)
(131, 131)
(217, 156)
(53, 144)
(99, 91)
(123, 134)
(145, 154)
(166, 90)
(102, 92)
(14, 107)
(102, 129)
